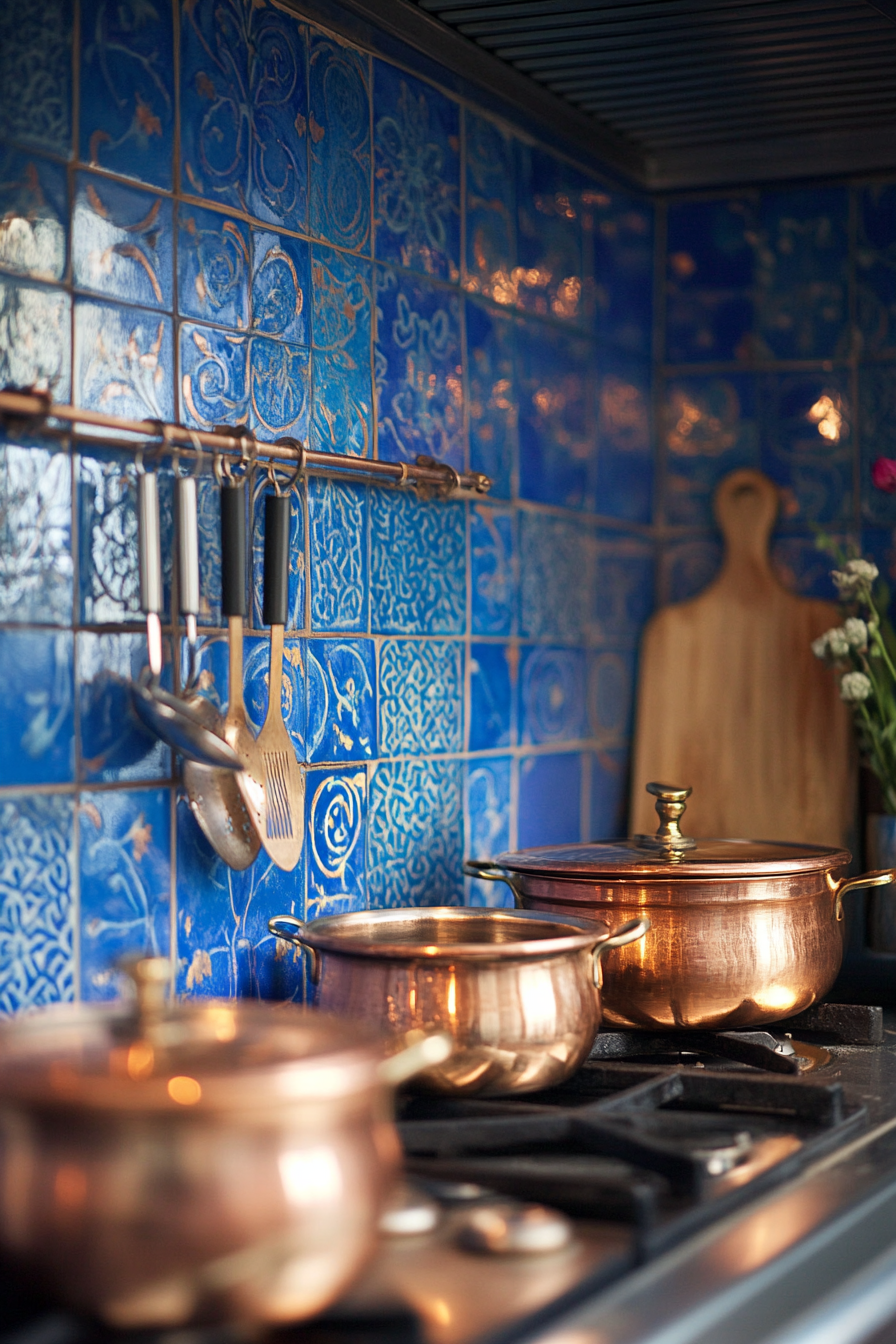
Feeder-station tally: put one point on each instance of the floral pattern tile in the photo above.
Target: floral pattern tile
(493, 679)
(342, 721)
(610, 694)
(416, 174)
(875, 269)
(213, 265)
(38, 692)
(803, 567)
(339, 130)
(36, 569)
(36, 906)
(115, 745)
(493, 569)
(417, 566)
(710, 428)
(107, 538)
(35, 338)
(488, 791)
(420, 697)
(623, 589)
(415, 834)
(214, 377)
(552, 695)
(256, 687)
(550, 800)
(281, 287)
(556, 578)
(877, 430)
(336, 830)
(806, 441)
(295, 608)
(339, 573)
(124, 361)
(608, 811)
(122, 242)
(555, 423)
(801, 274)
(280, 389)
(549, 271)
(33, 215)
(711, 255)
(343, 392)
(492, 406)
(622, 230)
(490, 262)
(624, 477)
(36, 75)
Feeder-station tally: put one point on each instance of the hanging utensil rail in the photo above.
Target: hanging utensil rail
(432, 480)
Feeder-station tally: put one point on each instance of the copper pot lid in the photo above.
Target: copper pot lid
(670, 854)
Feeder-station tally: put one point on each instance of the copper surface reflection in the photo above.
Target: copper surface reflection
(769, 1231)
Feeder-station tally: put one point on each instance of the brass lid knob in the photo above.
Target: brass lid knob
(151, 977)
(671, 802)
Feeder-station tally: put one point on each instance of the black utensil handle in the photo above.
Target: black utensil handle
(276, 559)
(233, 550)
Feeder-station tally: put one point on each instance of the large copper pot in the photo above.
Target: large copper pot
(743, 932)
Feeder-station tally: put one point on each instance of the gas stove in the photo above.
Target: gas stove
(679, 1188)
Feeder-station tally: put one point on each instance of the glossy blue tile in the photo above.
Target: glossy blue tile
(807, 445)
(341, 699)
(421, 696)
(318, 907)
(611, 696)
(256, 685)
(557, 449)
(213, 669)
(107, 538)
(493, 677)
(608, 811)
(877, 436)
(552, 695)
(244, 109)
(343, 395)
(338, 526)
(492, 396)
(339, 125)
(295, 611)
(213, 263)
(336, 827)
(125, 882)
(709, 429)
(34, 211)
(711, 254)
(488, 827)
(417, 174)
(214, 377)
(549, 236)
(209, 521)
(623, 589)
(280, 383)
(417, 566)
(556, 578)
(803, 567)
(37, 959)
(875, 269)
(35, 338)
(122, 242)
(801, 274)
(36, 75)
(624, 479)
(687, 566)
(418, 370)
(127, 89)
(550, 800)
(493, 566)
(415, 833)
(124, 361)
(281, 287)
(35, 535)
(490, 210)
(622, 231)
(37, 686)
(115, 745)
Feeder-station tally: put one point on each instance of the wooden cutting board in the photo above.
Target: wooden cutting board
(732, 701)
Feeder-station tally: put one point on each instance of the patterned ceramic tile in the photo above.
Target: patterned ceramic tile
(125, 880)
(492, 396)
(122, 242)
(280, 383)
(549, 236)
(341, 699)
(556, 578)
(419, 375)
(127, 89)
(807, 444)
(877, 432)
(624, 439)
(339, 571)
(611, 690)
(36, 75)
(36, 934)
(711, 251)
(115, 745)
(417, 174)
(709, 429)
(339, 125)
(244, 109)
(490, 210)
(214, 376)
(556, 434)
(209, 515)
(281, 287)
(336, 829)
(107, 538)
(493, 565)
(212, 267)
(256, 669)
(493, 678)
(343, 398)
(623, 589)
(417, 566)
(550, 800)
(875, 269)
(35, 338)
(35, 535)
(124, 361)
(803, 567)
(213, 669)
(622, 231)
(488, 825)
(608, 811)
(33, 215)
(552, 695)
(415, 834)
(37, 690)
(421, 687)
(801, 274)
(687, 566)
(295, 612)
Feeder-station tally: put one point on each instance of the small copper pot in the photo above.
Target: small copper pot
(743, 932)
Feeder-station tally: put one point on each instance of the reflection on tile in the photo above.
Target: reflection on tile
(212, 267)
(281, 287)
(343, 399)
(709, 429)
(37, 693)
(624, 440)
(552, 695)
(492, 405)
(127, 89)
(490, 210)
(336, 827)
(295, 607)
(549, 234)
(622, 228)
(803, 567)
(417, 174)
(415, 834)
(807, 445)
(256, 684)
(421, 686)
(125, 863)
(419, 375)
(339, 588)
(35, 338)
(417, 566)
(687, 567)
(107, 538)
(341, 699)
(280, 382)
(488, 810)
(877, 433)
(801, 274)
(709, 302)
(550, 800)
(339, 122)
(493, 563)
(556, 436)
(121, 242)
(36, 934)
(115, 745)
(611, 692)
(36, 75)
(493, 677)
(214, 377)
(556, 579)
(609, 795)
(33, 215)
(623, 589)
(124, 361)
(35, 535)
(875, 260)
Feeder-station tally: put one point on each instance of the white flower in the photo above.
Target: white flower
(856, 577)
(838, 642)
(820, 646)
(854, 687)
(856, 632)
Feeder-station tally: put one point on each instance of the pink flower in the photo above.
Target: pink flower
(883, 474)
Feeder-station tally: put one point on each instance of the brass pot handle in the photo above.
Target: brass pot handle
(485, 869)
(882, 877)
(290, 930)
(629, 932)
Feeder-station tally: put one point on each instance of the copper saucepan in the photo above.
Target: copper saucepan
(519, 992)
(743, 932)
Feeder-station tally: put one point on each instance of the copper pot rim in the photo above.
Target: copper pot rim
(662, 870)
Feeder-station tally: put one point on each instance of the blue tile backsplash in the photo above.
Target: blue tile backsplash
(246, 219)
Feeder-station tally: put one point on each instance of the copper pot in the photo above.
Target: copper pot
(743, 932)
(518, 992)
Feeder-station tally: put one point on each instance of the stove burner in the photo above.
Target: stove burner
(760, 1049)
